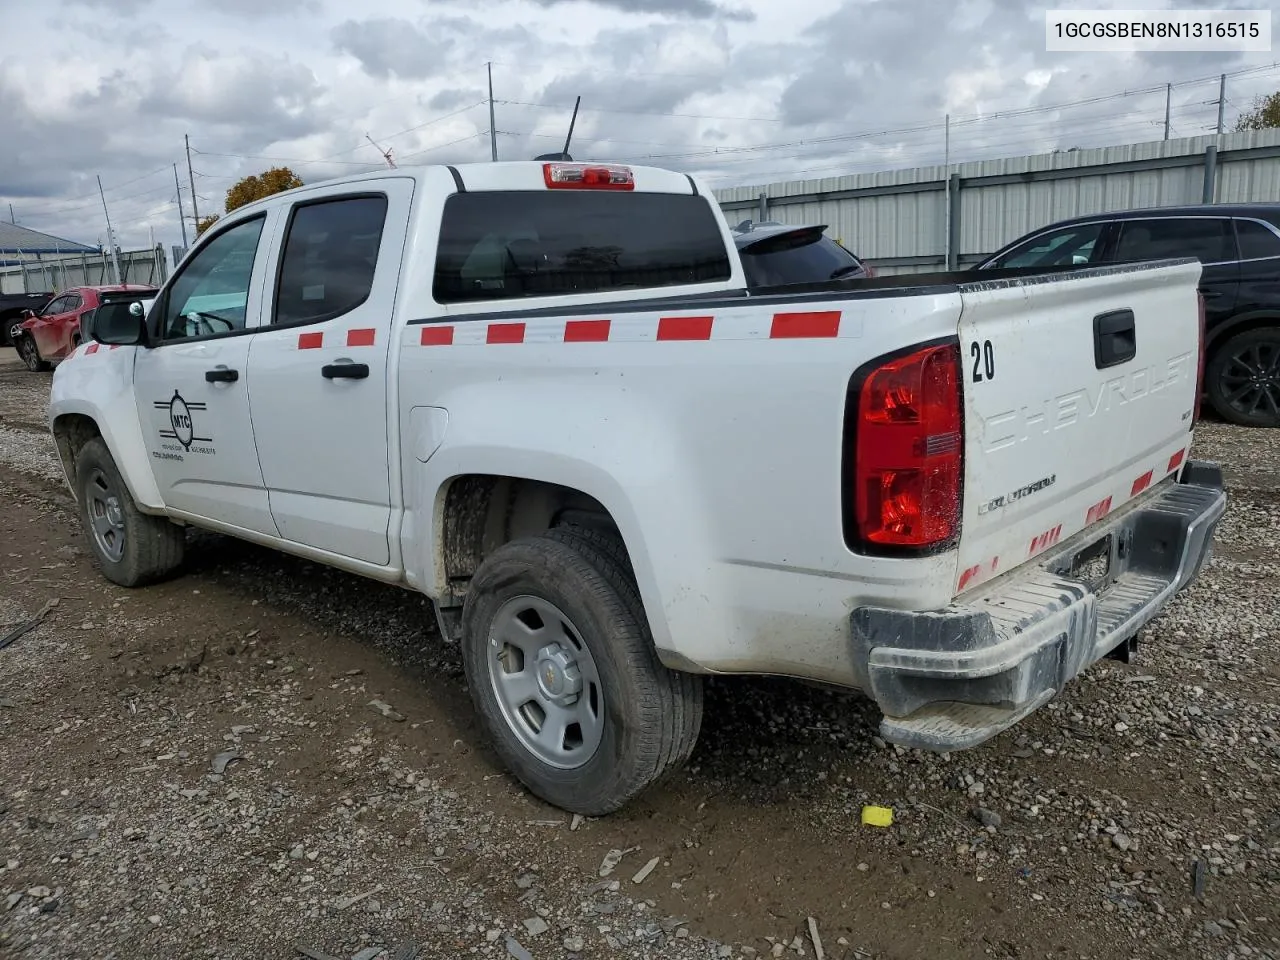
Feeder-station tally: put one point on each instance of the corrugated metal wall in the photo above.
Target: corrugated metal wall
(898, 219)
(54, 273)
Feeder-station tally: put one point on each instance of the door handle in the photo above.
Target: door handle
(1115, 338)
(221, 375)
(344, 369)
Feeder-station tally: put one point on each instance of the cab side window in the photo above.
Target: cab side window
(1077, 244)
(211, 294)
(329, 258)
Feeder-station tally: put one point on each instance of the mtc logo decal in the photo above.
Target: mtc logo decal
(182, 427)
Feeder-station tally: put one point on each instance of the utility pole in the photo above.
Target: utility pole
(493, 133)
(111, 237)
(946, 175)
(1168, 98)
(182, 217)
(195, 211)
(14, 222)
(1222, 99)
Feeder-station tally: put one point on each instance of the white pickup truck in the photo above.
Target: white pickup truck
(542, 395)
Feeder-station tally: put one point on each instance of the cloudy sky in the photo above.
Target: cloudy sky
(735, 91)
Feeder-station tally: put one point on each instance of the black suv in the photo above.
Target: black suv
(1238, 246)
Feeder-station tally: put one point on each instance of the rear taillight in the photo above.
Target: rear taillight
(1195, 418)
(588, 176)
(908, 451)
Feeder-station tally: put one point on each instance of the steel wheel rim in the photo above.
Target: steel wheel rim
(106, 515)
(1251, 379)
(546, 682)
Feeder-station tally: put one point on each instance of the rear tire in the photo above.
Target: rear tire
(1243, 378)
(30, 354)
(576, 588)
(130, 547)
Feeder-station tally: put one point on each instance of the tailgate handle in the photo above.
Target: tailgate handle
(1115, 338)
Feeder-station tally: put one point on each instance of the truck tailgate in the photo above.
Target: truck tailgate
(1079, 395)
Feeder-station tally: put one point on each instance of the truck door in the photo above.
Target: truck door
(190, 383)
(318, 371)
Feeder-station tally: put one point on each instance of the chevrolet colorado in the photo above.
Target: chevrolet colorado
(543, 395)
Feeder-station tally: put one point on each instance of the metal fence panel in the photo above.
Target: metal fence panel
(49, 274)
(897, 218)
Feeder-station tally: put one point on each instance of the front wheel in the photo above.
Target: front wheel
(1243, 378)
(15, 331)
(130, 547)
(30, 355)
(563, 672)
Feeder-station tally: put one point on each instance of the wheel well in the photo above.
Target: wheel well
(71, 432)
(1244, 326)
(483, 511)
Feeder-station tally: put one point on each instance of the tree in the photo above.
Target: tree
(205, 223)
(1265, 113)
(275, 180)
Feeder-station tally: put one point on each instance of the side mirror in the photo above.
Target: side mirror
(117, 325)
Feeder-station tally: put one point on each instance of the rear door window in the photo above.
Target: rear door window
(1208, 239)
(511, 244)
(797, 258)
(1257, 241)
(330, 255)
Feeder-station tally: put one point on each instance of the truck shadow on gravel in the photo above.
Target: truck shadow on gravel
(764, 740)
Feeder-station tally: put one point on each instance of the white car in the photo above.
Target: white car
(542, 395)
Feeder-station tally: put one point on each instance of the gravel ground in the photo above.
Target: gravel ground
(264, 755)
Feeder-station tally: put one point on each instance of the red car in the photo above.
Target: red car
(54, 332)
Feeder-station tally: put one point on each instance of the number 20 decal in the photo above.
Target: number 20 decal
(984, 361)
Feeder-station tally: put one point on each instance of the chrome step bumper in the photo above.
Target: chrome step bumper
(950, 679)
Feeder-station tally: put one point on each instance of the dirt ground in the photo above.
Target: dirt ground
(195, 770)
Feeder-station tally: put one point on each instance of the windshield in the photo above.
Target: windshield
(768, 265)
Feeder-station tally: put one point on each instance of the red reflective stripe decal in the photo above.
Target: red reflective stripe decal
(823, 323)
(586, 331)
(1097, 512)
(978, 572)
(437, 336)
(310, 341)
(91, 348)
(1046, 539)
(505, 333)
(363, 337)
(1175, 461)
(1141, 483)
(685, 328)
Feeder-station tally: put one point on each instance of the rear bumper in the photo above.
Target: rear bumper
(950, 679)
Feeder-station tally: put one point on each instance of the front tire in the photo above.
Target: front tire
(1243, 378)
(564, 675)
(130, 547)
(30, 354)
(14, 332)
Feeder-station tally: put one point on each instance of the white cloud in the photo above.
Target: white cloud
(738, 91)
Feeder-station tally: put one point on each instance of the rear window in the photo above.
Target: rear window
(798, 260)
(511, 244)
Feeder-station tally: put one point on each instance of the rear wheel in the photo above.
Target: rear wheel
(1243, 378)
(30, 354)
(565, 677)
(130, 547)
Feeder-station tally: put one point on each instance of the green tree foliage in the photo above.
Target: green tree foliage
(275, 180)
(1265, 113)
